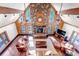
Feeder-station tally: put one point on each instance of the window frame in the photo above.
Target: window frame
(3, 40)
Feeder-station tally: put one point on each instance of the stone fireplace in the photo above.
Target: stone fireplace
(40, 29)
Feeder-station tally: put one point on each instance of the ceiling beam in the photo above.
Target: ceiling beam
(6, 10)
(74, 11)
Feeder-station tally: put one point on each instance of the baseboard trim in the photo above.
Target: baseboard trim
(76, 50)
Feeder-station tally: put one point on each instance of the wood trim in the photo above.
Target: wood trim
(49, 35)
(74, 11)
(18, 25)
(61, 24)
(25, 34)
(7, 36)
(54, 9)
(7, 10)
(76, 50)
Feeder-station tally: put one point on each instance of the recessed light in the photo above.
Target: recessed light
(5, 16)
(77, 16)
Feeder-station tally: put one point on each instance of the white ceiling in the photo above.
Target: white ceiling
(11, 17)
(19, 6)
(7, 20)
(65, 6)
(71, 19)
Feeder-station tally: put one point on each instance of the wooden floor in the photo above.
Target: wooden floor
(13, 51)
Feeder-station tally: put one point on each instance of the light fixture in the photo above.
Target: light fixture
(5, 15)
(39, 19)
(77, 16)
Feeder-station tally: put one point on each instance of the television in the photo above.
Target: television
(61, 32)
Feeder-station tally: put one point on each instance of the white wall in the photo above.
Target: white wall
(69, 29)
(8, 20)
(11, 30)
(71, 19)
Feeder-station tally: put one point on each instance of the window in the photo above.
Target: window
(76, 42)
(2, 44)
(3, 40)
(4, 36)
(30, 29)
(73, 36)
(51, 19)
(21, 19)
(23, 28)
(28, 16)
(51, 16)
(49, 30)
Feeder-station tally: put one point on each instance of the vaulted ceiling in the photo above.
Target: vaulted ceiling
(40, 10)
(65, 6)
(7, 19)
(18, 8)
(69, 12)
(10, 12)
